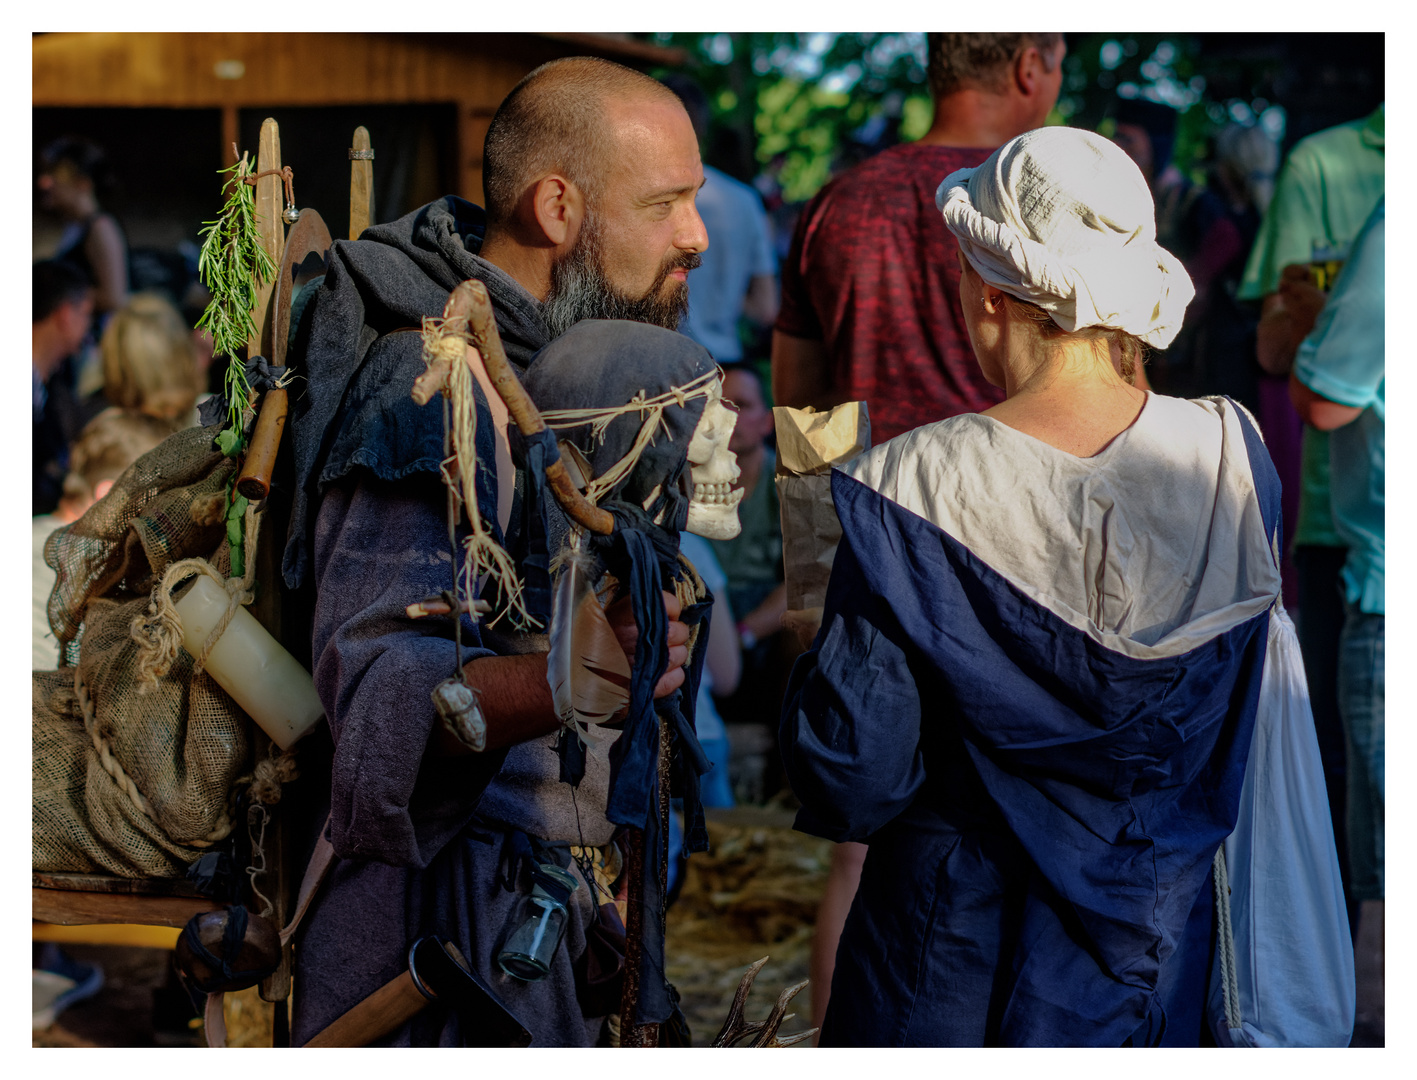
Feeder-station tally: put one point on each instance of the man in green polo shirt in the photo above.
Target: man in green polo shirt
(1325, 192)
(1339, 386)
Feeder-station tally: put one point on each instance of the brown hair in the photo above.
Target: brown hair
(107, 445)
(1130, 348)
(149, 361)
(955, 61)
(553, 121)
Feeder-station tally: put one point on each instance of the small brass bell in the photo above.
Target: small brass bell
(290, 215)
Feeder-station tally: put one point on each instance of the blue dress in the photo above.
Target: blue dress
(1033, 695)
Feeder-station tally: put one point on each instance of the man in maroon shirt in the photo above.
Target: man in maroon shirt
(870, 296)
(870, 288)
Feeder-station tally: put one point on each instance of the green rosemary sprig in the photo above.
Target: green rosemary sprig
(233, 266)
(235, 518)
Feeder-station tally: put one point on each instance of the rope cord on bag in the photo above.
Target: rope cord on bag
(444, 345)
(159, 631)
(1225, 940)
(125, 783)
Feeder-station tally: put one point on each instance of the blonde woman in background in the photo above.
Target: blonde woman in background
(149, 361)
(109, 443)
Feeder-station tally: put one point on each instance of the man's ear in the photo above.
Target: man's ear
(1028, 71)
(558, 207)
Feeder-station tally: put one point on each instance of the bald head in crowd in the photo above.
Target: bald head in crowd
(589, 174)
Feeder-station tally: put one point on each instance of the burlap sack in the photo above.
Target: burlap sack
(144, 524)
(84, 821)
(134, 781)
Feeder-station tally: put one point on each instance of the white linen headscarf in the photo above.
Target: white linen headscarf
(1063, 218)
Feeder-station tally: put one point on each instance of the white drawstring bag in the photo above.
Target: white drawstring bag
(1284, 966)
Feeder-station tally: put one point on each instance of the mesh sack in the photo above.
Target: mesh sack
(131, 779)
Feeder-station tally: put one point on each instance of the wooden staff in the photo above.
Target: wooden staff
(470, 301)
(254, 480)
(307, 236)
(361, 183)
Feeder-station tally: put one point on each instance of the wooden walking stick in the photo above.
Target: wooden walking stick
(276, 987)
(307, 236)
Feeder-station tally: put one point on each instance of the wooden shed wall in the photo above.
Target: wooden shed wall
(472, 71)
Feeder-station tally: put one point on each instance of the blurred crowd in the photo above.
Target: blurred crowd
(115, 372)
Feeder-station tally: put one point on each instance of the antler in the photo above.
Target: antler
(736, 1029)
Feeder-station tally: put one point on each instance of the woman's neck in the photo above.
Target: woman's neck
(1069, 397)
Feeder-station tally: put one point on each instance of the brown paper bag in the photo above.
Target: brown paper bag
(809, 443)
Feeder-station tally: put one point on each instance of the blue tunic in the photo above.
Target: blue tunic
(1032, 696)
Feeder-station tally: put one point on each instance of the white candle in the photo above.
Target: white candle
(250, 665)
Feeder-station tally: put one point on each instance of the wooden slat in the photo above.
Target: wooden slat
(106, 883)
(361, 187)
(472, 131)
(81, 908)
(623, 49)
(230, 135)
(126, 934)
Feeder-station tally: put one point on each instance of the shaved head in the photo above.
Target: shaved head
(555, 121)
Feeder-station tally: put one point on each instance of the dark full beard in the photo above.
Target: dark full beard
(580, 289)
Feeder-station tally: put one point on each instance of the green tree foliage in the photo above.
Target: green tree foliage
(797, 106)
(1172, 68)
(790, 103)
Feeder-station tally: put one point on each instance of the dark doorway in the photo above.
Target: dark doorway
(166, 163)
(414, 155)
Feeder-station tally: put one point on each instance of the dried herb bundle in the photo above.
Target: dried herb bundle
(233, 266)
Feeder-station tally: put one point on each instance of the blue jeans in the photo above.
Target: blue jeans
(1360, 704)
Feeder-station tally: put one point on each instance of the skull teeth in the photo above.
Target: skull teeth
(714, 493)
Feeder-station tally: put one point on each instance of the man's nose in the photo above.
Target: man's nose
(692, 236)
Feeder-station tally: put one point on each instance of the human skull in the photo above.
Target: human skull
(713, 469)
